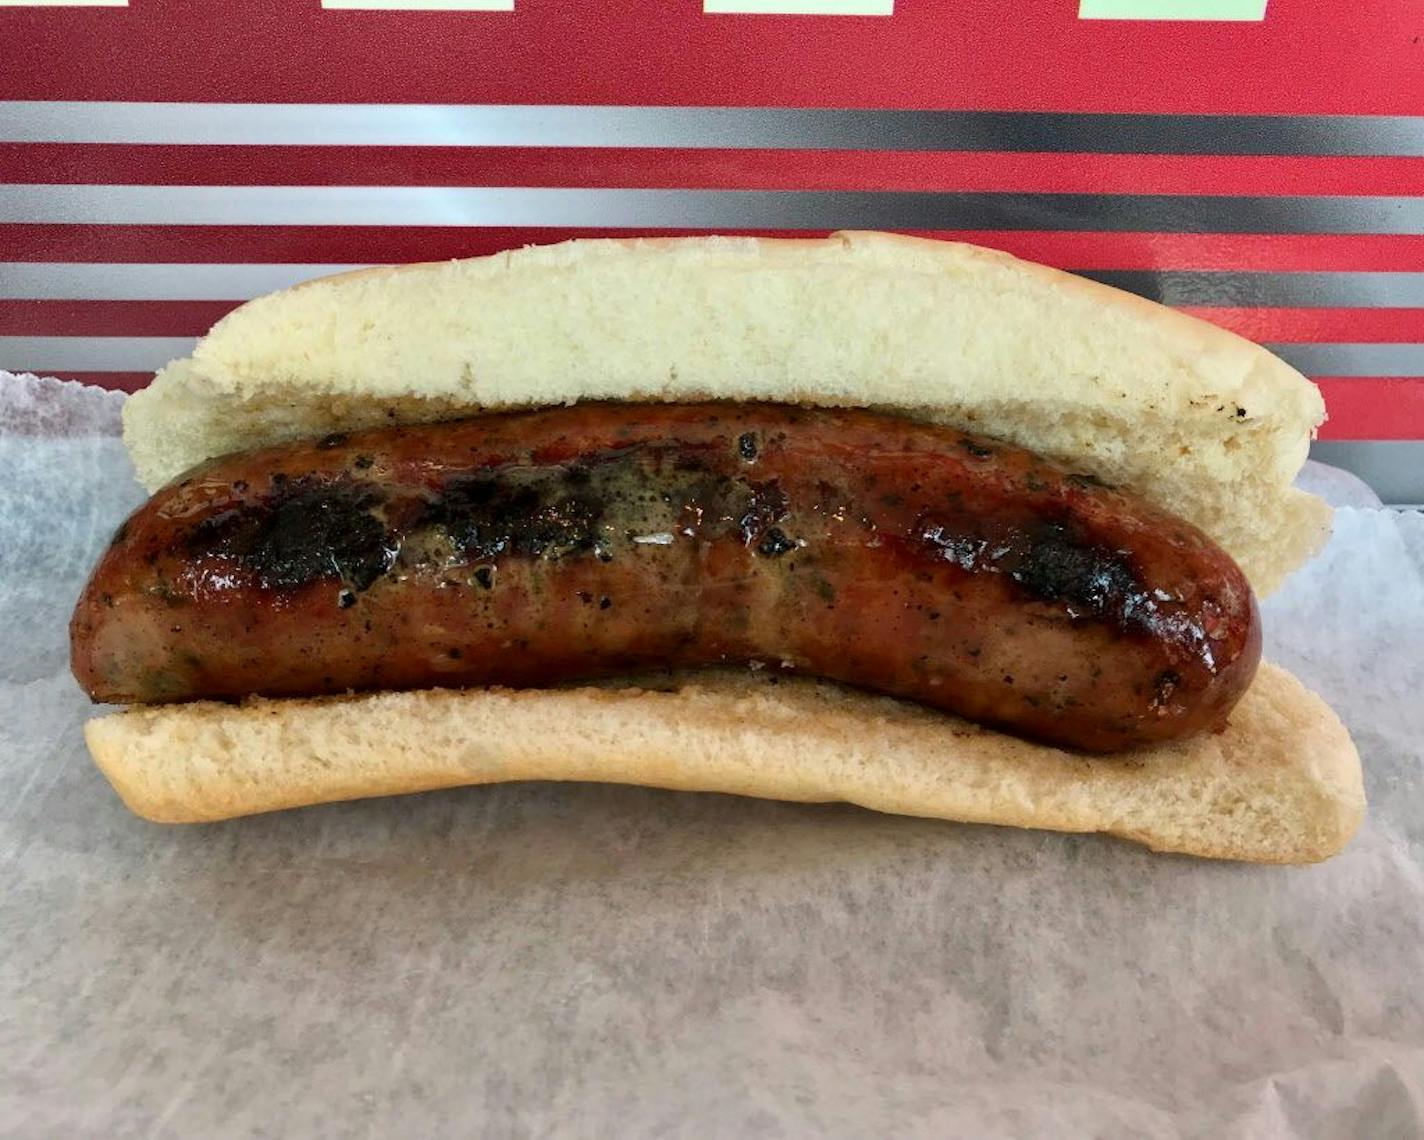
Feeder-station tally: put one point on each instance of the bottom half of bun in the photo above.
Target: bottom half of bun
(1281, 784)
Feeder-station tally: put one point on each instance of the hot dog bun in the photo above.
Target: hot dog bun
(1280, 785)
(1193, 418)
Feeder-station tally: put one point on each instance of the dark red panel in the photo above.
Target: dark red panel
(1307, 56)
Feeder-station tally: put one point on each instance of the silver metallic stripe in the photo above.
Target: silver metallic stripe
(341, 124)
(1357, 290)
(41, 354)
(1394, 468)
(1353, 359)
(711, 209)
(121, 281)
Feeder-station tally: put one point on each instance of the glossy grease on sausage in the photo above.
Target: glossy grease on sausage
(540, 548)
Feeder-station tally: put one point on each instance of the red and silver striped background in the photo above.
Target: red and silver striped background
(162, 161)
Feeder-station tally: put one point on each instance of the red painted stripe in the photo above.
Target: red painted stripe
(1305, 57)
(121, 381)
(639, 168)
(391, 244)
(111, 318)
(1373, 407)
(1347, 326)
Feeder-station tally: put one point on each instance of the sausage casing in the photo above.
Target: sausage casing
(547, 547)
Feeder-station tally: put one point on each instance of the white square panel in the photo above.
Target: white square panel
(1172, 9)
(421, 5)
(800, 7)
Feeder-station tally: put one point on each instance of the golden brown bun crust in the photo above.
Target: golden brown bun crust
(1280, 785)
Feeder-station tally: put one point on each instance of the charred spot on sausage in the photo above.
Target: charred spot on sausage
(533, 512)
(775, 543)
(1061, 566)
(308, 531)
(766, 505)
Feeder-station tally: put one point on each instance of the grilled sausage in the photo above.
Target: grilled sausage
(539, 548)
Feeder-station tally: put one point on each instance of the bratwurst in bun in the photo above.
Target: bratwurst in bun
(905, 523)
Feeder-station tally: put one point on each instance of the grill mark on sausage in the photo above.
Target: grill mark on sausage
(1061, 564)
(532, 513)
(1057, 562)
(306, 531)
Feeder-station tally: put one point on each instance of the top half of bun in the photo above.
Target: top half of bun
(1198, 420)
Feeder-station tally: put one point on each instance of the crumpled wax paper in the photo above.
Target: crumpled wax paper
(571, 960)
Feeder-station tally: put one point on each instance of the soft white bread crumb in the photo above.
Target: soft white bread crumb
(1280, 785)
(1200, 421)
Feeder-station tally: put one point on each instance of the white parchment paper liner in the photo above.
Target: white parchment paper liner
(596, 961)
